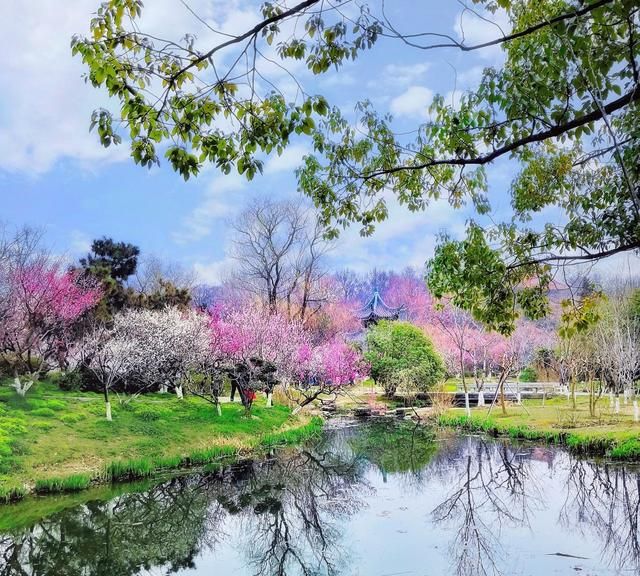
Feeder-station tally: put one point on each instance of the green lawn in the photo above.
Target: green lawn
(615, 435)
(50, 434)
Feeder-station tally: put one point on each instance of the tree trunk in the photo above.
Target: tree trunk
(105, 392)
(480, 398)
(573, 393)
(22, 387)
(502, 403)
(269, 399)
(467, 408)
(163, 388)
(218, 409)
(617, 403)
(179, 392)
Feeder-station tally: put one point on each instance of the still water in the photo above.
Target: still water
(373, 500)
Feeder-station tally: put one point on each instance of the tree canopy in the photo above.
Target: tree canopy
(401, 354)
(563, 106)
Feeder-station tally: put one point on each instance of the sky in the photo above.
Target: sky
(54, 174)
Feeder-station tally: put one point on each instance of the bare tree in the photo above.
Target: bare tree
(153, 271)
(618, 342)
(279, 249)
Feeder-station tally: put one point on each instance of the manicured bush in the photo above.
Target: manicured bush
(401, 354)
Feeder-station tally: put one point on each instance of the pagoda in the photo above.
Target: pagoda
(375, 310)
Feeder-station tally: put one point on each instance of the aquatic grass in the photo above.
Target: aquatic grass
(72, 483)
(626, 450)
(121, 470)
(208, 455)
(9, 494)
(293, 435)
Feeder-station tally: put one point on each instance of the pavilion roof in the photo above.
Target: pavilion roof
(376, 308)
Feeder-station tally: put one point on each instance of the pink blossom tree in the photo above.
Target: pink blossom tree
(248, 340)
(326, 369)
(43, 304)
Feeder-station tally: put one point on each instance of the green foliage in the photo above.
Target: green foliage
(46, 412)
(618, 447)
(70, 381)
(529, 374)
(116, 260)
(563, 105)
(402, 354)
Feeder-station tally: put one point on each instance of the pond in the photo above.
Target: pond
(380, 499)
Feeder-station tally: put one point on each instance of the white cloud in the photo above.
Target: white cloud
(414, 102)
(288, 161)
(212, 272)
(405, 74)
(475, 28)
(220, 201)
(80, 243)
(404, 239)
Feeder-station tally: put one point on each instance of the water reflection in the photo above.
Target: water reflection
(370, 500)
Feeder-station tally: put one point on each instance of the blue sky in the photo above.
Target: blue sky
(54, 174)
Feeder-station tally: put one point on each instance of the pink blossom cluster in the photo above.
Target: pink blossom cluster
(252, 332)
(44, 290)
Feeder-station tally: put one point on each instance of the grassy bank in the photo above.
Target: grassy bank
(52, 441)
(614, 436)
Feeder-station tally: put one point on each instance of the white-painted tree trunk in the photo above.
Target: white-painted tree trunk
(610, 400)
(108, 409)
(163, 388)
(617, 405)
(625, 397)
(481, 398)
(636, 411)
(519, 397)
(22, 387)
(219, 409)
(467, 408)
(269, 399)
(179, 392)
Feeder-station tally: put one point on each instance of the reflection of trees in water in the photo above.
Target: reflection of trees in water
(606, 500)
(305, 497)
(493, 486)
(167, 525)
(403, 449)
(286, 506)
(286, 512)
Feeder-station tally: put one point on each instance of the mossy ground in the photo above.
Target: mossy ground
(616, 436)
(57, 439)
